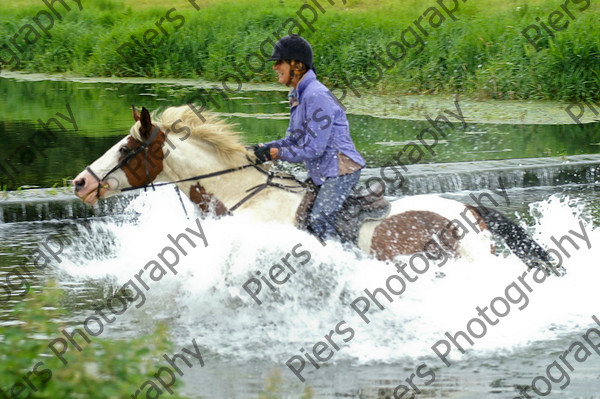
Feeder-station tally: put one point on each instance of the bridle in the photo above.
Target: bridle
(252, 191)
(145, 145)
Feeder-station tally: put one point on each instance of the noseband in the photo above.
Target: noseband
(251, 192)
(143, 147)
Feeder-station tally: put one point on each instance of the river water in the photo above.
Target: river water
(551, 177)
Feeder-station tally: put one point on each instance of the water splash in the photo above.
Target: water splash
(205, 300)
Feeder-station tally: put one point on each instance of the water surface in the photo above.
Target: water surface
(102, 115)
(550, 173)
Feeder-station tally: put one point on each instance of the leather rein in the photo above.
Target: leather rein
(252, 191)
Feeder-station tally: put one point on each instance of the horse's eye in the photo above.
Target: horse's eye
(124, 150)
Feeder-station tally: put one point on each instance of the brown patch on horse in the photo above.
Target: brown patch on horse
(478, 218)
(207, 201)
(409, 232)
(135, 169)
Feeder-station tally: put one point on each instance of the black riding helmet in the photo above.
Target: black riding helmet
(293, 47)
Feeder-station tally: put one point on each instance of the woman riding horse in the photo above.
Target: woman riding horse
(211, 165)
(318, 134)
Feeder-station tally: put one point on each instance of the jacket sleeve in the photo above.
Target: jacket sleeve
(284, 142)
(310, 139)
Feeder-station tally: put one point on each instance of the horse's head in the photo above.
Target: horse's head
(135, 161)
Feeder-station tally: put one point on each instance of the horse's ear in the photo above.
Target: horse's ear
(136, 113)
(146, 121)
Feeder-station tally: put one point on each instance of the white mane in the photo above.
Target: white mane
(209, 128)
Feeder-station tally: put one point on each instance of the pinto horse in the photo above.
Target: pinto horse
(207, 160)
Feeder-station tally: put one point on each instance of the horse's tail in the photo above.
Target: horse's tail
(517, 239)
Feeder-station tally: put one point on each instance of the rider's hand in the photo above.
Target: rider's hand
(262, 153)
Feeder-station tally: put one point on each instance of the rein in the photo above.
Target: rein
(252, 191)
(199, 177)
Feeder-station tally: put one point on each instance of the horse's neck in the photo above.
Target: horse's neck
(270, 204)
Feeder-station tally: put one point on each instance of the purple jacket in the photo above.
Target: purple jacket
(318, 131)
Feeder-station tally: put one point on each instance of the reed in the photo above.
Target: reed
(482, 54)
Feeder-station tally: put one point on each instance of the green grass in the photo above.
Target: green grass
(483, 54)
(105, 369)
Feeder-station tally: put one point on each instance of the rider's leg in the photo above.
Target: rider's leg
(332, 194)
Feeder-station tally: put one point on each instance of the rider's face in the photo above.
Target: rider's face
(283, 71)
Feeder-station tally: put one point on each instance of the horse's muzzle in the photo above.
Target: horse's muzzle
(85, 186)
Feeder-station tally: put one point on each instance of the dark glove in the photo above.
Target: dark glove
(263, 154)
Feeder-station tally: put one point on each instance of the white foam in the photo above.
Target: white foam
(205, 300)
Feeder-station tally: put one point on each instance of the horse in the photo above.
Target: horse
(207, 160)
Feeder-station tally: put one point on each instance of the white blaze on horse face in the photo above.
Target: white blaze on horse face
(86, 185)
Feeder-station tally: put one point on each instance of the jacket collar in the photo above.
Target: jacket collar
(308, 78)
(295, 94)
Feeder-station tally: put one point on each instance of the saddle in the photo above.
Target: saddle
(368, 204)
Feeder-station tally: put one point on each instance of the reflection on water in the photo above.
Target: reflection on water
(102, 115)
(243, 342)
